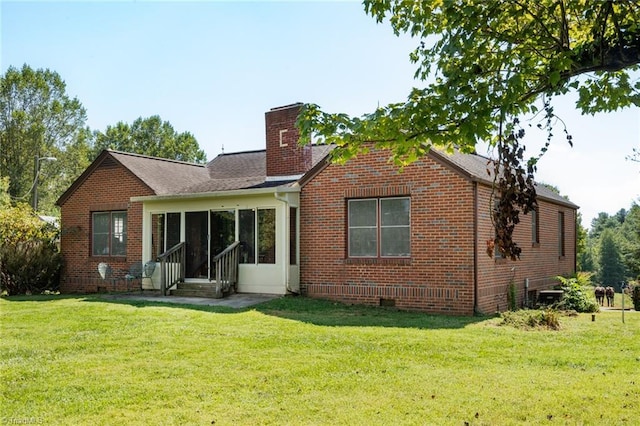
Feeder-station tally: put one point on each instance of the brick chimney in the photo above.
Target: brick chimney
(285, 158)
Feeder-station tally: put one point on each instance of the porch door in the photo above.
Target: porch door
(223, 234)
(197, 244)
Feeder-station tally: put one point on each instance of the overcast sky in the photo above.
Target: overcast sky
(214, 69)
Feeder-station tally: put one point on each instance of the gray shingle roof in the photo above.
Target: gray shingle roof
(475, 166)
(247, 170)
(226, 172)
(163, 176)
(239, 165)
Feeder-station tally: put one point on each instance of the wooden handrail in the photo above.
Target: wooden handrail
(169, 276)
(227, 263)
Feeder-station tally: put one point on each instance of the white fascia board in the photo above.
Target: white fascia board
(282, 178)
(218, 194)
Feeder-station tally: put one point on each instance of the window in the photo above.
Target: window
(561, 234)
(497, 254)
(293, 236)
(109, 233)
(157, 234)
(173, 230)
(379, 227)
(247, 236)
(267, 236)
(535, 227)
(165, 232)
(258, 236)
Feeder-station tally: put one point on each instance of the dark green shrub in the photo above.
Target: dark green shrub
(29, 259)
(578, 295)
(512, 297)
(635, 296)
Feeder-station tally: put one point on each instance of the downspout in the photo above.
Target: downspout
(287, 260)
(475, 247)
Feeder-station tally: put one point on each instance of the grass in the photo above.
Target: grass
(299, 361)
(617, 301)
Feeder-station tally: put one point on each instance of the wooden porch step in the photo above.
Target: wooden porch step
(195, 290)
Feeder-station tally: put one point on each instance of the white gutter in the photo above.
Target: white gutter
(281, 178)
(218, 194)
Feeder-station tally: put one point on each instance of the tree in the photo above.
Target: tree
(583, 252)
(600, 223)
(620, 216)
(5, 200)
(150, 136)
(610, 234)
(612, 270)
(37, 119)
(630, 241)
(492, 69)
(29, 258)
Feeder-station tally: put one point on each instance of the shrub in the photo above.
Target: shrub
(635, 296)
(29, 257)
(578, 294)
(512, 297)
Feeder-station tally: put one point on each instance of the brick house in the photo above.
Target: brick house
(362, 232)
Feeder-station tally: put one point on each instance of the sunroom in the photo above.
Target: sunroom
(251, 232)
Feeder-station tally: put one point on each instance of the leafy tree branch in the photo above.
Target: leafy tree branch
(486, 66)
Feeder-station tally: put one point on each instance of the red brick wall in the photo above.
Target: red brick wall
(285, 157)
(108, 188)
(538, 262)
(439, 276)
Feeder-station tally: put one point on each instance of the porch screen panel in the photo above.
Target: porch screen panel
(293, 236)
(173, 230)
(267, 236)
(157, 235)
(247, 235)
(197, 244)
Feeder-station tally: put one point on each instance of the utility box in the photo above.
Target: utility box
(548, 297)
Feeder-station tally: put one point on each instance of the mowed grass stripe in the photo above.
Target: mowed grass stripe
(301, 361)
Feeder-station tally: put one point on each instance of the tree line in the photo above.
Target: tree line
(611, 249)
(46, 144)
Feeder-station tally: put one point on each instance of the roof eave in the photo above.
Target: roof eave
(219, 194)
(89, 170)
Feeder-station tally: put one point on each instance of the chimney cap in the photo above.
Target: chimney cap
(296, 105)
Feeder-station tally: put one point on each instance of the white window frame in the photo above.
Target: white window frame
(116, 231)
(378, 227)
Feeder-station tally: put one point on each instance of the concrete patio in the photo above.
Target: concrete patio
(237, 301)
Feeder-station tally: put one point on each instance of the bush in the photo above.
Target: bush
(578, 294)
(635, 296)
(29, 257)
(512, 297)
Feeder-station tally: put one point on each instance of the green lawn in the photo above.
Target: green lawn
(299, 361)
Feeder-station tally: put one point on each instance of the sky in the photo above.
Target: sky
(213, 68)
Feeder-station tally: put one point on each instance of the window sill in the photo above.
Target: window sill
(535, 245)
(378, 261)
